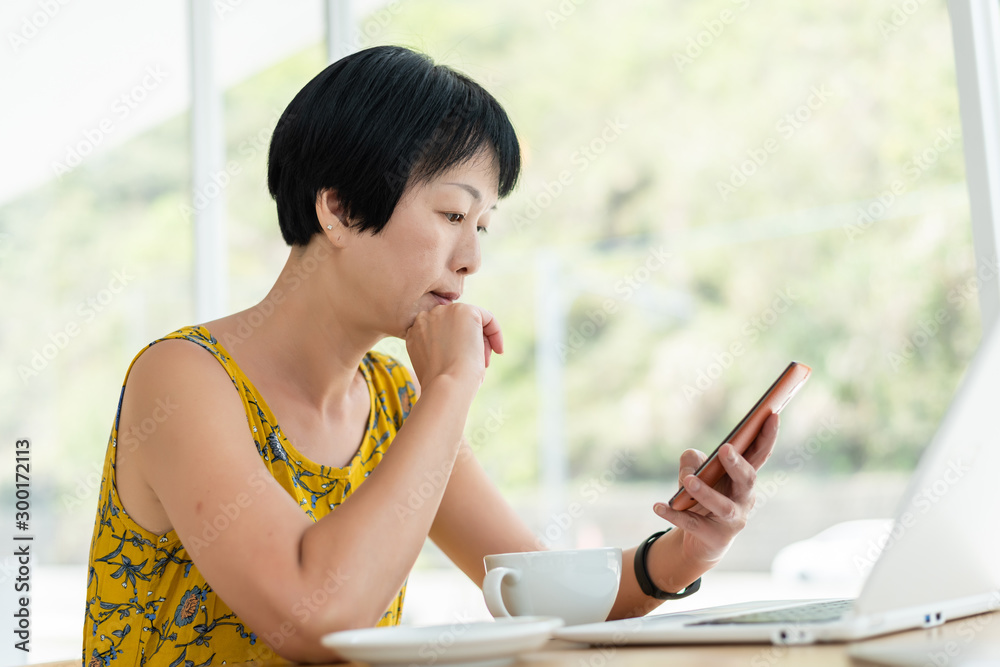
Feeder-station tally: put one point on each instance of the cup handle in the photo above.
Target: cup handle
(491, 589)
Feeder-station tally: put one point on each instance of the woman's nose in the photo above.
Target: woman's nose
(467, 257)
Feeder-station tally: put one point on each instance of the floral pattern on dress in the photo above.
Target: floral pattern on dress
(147, 602)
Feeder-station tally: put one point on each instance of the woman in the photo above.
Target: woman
(216, 538)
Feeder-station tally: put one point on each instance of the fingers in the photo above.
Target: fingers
(685, 520)
(716, 503)
(492, 335)
(726, 507)
(691, 460)
(709, 537)
(729, 504)
(491, 331)
(453, 338)
(741, 473)
(763, 444)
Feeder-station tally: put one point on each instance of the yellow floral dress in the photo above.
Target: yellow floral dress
(147, 603)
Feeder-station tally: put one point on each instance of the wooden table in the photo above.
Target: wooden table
(976, 637)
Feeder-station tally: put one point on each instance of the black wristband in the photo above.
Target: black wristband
(642, 574)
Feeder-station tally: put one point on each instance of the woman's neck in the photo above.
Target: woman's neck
(304, 334)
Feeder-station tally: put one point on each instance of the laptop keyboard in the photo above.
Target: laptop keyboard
(817, 612)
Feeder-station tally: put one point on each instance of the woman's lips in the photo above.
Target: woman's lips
(444, 298)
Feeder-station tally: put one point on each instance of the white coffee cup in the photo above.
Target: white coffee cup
(578, 586)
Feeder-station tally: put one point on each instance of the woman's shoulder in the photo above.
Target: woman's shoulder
(197, 334)
(174, 356)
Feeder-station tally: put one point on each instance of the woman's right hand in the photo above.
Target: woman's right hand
(455, 339)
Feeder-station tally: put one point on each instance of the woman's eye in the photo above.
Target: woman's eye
(455, 217)
(482, 230)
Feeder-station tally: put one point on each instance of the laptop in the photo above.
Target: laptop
(941, 560)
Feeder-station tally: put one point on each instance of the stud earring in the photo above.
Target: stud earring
(329, 226)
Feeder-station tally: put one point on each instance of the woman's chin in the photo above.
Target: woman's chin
(422, 306)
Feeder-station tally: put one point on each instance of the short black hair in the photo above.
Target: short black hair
(374, 122)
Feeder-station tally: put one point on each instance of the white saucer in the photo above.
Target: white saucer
(481, 643)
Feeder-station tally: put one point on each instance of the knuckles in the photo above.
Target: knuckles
(461, 311)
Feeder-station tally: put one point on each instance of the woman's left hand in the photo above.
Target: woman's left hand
(721, 513)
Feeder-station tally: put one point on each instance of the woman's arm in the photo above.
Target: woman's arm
(475, 520)
(272, 559)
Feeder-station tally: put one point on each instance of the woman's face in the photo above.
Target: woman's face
(428, 248)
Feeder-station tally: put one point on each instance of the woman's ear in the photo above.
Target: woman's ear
(332, 218)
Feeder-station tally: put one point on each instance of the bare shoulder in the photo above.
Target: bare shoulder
(196, 462)
(173, 374)
(166, 353)
(173, 386)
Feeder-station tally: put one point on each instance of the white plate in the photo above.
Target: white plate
(481, 643)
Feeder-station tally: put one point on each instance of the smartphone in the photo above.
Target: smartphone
(741, 437)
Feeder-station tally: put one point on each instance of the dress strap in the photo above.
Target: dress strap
(196, 334)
